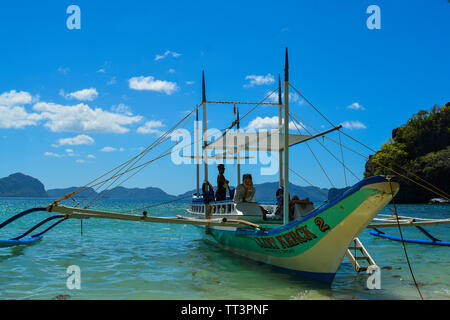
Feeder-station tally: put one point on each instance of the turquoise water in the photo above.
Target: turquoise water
(129, 260)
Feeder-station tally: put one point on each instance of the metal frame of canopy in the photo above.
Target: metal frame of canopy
(261, 141)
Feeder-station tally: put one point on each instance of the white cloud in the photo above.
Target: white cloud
(151, 127)
(108, 149)
(83, 95)
(80, 161)
(14, 98)
(52, 154)
(356, 106)
(82, 118)
(353, 125)
(259, 80)
(13, 114)
(101, 70)
(293, 98)
(17, 118)
(75, 141)
(149, 83)
(90, 156)
(59, 118)
(167, 53)
(171, 70)
(122, 108)
(268, 123)
(189, 83)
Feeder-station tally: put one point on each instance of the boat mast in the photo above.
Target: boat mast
(197, 152)
(238, 153)
(286, 141)
(205, 151)
(280, 130)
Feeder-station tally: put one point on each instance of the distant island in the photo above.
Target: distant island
(422, 145)
(21, 185)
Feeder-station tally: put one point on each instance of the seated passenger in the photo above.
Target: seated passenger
(280, 200)
(222, 184)
(295, 200)
(245, 193)
(207, 191)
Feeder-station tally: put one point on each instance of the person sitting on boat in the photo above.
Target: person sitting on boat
(222, 184)
(295, 200)
(246, 191)
(279, 195)
(207, 191)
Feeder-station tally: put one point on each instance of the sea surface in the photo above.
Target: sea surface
(136, 260)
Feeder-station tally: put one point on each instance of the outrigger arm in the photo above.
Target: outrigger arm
(79, 213)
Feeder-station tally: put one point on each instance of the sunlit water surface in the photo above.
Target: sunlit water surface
(129, 260)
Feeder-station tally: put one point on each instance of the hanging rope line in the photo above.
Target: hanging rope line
(342, 157)
(317, 160)
(303, 178)
(153, 145)
(392, 192)
(295, 120)
(109, 187)
(131, 164)
(403, 242)
(159, 204)
(120, 167)
(400, 166)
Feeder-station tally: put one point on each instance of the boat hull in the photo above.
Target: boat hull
(315, 245)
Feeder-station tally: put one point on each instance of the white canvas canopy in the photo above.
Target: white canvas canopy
(255, 141)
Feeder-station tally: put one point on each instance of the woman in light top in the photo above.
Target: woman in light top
(245, 191)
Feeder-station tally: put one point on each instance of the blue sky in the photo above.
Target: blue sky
(61, 86)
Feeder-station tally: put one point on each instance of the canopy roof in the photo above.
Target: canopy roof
(259, 141)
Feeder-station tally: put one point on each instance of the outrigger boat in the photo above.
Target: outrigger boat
(312, 244)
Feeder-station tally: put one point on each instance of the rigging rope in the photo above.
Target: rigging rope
(317, 160)
(342, 156)
(106, 191)
(402, 167)
(131, 167)
(89, 185)
(158, 204)
(293, 116)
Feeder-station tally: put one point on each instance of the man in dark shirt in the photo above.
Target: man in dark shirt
(222, 184)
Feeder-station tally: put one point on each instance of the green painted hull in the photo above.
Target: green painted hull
(315, 245)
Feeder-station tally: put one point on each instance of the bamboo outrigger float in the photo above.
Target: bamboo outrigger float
(312, 244)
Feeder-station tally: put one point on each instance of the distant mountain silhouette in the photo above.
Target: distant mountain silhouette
(265, 192)
(58, 193)
(21, 185)
(150, 193)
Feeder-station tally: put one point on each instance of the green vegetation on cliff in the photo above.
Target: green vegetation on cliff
(422, 147)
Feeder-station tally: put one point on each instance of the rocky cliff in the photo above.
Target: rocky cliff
(422, 147)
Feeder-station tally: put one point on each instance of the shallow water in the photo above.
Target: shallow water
(129, 260)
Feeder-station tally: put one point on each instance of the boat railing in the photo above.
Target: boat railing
(226, 207)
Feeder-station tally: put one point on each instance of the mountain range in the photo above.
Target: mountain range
(21, 185)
